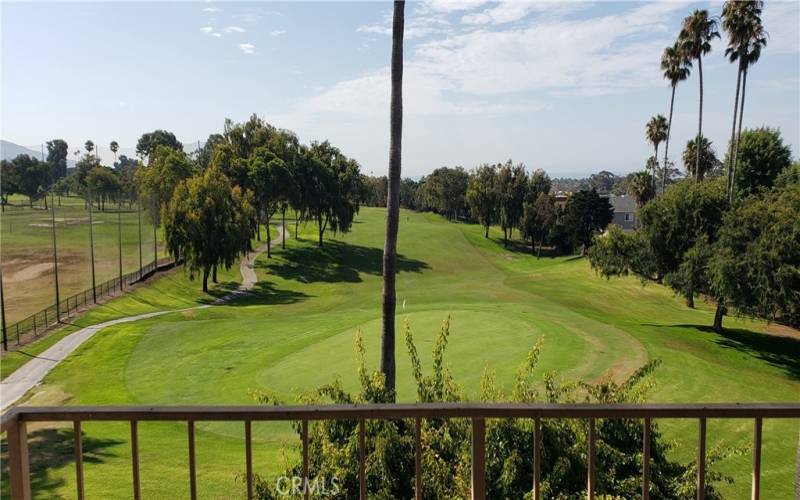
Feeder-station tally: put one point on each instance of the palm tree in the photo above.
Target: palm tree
(676, 69)
(708, 158)
(89, 146)
(695, 41)
(746, 37)
(114, 147)
(656, 132)
(393, 199)
(640, 187)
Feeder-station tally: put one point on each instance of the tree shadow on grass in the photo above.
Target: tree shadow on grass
(335, 262)
(780, 352)
(265, 293)
(50, 450)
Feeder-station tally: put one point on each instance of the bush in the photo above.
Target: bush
(334, 453)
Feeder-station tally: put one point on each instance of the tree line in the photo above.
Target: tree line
(504, 194)
(213, 201)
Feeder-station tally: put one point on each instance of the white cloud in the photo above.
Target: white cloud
(277, 32)
(247, 48)
(781, 20)
(211, 9)
(419, 24)
(209, 30)
(511, 11)
(450, 5)
(234, 29)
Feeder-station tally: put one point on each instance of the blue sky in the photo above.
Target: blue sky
(564, 86)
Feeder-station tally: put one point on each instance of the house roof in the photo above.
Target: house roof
(625, 204)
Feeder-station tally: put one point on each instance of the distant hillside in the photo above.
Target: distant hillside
(10, 150)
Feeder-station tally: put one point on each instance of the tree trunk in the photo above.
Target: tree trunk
(320, 230)
(731, 146)
(296, 222)
(258, 228)
(505, 237)
(697, 175)
(269, 239)
(205, 279)
(739, 132)
(690, 301)
(666, 143)
(720, 312)
(214, 274)
(486, 232)
(533, 245)
(283, 228)
(389, 301)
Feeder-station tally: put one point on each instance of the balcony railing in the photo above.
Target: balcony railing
(14, 424)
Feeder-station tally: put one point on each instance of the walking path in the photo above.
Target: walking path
(33, 372)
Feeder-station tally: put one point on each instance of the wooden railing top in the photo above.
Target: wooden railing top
(398, 411)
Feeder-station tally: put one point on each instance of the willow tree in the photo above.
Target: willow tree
(393, 200)
(207, 222)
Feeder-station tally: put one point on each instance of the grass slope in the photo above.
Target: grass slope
(297, 333)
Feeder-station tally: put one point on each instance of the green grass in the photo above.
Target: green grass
(297, 333)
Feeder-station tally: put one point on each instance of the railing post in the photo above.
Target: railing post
(137, 490)
(248, 454)
(192, 466)
(418, 458)
(590, 487)
(537, 459)
(701, 461)
(646, 460)
(756, 493)
(305, 459)
(362, 473)
(478, 459)
(78, 458)
(18, 464)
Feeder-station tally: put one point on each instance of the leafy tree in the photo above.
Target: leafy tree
(408, 193)
(104, 184)
(149, 142)
(762, 157)
(540, 183)
(789, 177)
(538, 219)
(640, 187)
(676, 69)
(10, 181)
(444, 191)
(270, 175)
(585, 214)
(699, 29)
(206, 153)
(31, 176)
(602, 182)
(88, 146)
(207, 222)
(157, 181)
(482, 196)
(375, 190)
(746, 39)
(708, 162)
(512, 182)
(57, 150)
(757, 263)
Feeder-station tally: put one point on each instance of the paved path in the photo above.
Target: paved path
(33, 372)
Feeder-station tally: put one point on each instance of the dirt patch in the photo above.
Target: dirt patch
(782, 331)
(67, 221)
(29, 273)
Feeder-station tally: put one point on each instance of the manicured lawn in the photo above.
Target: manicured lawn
(296, 333)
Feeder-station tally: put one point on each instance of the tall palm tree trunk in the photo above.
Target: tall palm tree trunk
(739, 132)
(699, 120)
(393, 199)
(732, 146)
(666, 142)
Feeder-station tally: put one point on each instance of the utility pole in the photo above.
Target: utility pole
(3, 311)
(139, 212)
(119, 235)
(53, 233)
(91, 242)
